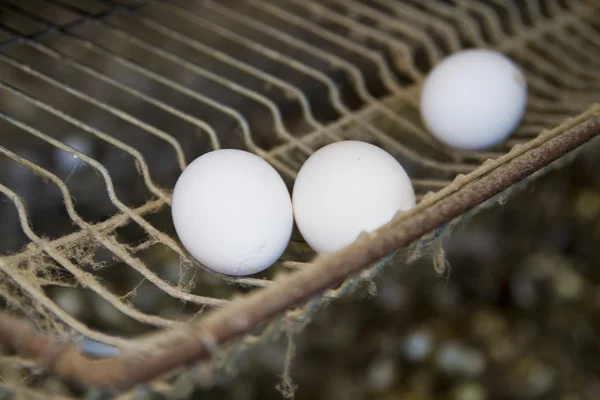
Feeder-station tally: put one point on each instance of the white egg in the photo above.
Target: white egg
(473, 99)
(232, 212)
(345, 189)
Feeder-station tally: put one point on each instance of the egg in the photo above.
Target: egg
(233, 212)
(347, 188)
(473, 99)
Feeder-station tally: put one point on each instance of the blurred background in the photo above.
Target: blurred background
(133, 90)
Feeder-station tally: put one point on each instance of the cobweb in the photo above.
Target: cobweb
(104, 104)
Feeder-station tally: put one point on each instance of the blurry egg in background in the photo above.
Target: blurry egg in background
(347, 188)
(473, 99)
(232, 211)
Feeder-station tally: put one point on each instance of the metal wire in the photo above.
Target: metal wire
(280, 79)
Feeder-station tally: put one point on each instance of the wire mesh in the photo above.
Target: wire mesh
(104, 103)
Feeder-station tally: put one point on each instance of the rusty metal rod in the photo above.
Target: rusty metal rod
(173, 348)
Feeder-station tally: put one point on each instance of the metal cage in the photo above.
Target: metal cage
(103, 103)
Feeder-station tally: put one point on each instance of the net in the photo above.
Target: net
(104, 103)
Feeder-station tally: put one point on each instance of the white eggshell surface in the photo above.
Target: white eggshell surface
(345, 189)
(473, 99)
(232, 212)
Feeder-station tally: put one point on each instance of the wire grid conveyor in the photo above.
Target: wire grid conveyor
(104, 103)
